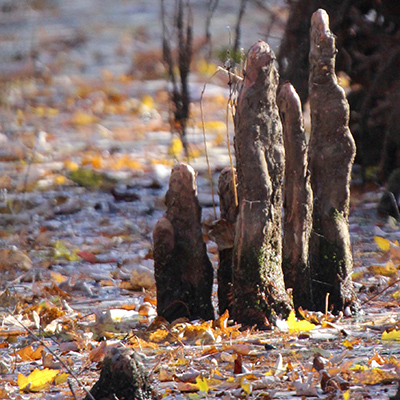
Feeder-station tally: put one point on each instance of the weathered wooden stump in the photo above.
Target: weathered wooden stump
(122, 377)
(331, 156)
(183, 271)
(258, 285)
(297, 223)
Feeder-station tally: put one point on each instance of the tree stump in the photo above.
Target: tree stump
(122, 377)
(297, 223)
(258, 285)
(331, 156)
(183, 271)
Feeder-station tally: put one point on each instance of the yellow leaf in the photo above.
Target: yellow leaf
(202, 384)
(57, 277)
(298, 326)
(346, 394)
(181, 361)
(382, 243)
(206, 68)
(148, 101)
(60, 179)
(385, 270)
(61, 251)
(158, 336)
(246, 386)
(37, 380)
(392, 335)
(71, 165)
(176, 147)
(82, 118)
(396, 294)
(215, 126)
(347, 344)
(61, 378)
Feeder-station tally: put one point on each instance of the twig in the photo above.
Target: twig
(205, 142)
(55, 356)
(379, 293)
(71, 389)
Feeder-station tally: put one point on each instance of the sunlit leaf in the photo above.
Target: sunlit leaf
(57, 277)
(246, 386)
(375, 376)
(206, 68)
(148, 101)
(392, 335)
(202, 384)
(37, 380)
(385, 270)
(61, 251)
(61, 378)
(28, 354)
(350, 344)
(382, 243)
(71, 165)
(175, 148)
(158, 336)
(82, 118)
(346, 395)
(298, 326)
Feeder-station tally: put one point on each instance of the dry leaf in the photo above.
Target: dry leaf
(298, 326)
(37, 380)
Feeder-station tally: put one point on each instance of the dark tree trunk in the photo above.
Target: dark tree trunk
(122, 377)
(331, 156)
(258, 285)
(297, 223)
(183, 271)
(229, 211)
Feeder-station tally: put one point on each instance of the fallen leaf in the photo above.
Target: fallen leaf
(392, 335)
(383, 244)
(202, 384)
(298, 326)
(37, 380)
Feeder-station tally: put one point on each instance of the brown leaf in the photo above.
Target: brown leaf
(238, 366)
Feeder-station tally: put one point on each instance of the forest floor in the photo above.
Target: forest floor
(85, 156)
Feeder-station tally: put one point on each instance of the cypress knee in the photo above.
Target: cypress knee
(297, 221)
(183, 271)
(331, 155)
(224, 233)
(258, 287)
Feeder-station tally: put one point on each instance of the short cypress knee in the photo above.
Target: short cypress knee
(183, 271)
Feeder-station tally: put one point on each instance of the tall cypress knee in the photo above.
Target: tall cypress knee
(258, 285)
(297, 221)
(331, 155)
(183, 271)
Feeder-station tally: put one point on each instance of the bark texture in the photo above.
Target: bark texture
(258, 285)
(229, 211)
(297, 222)
(122, 377)
(183, 271)
(331, 156)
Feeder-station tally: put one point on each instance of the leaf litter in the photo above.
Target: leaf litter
(85, 161)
